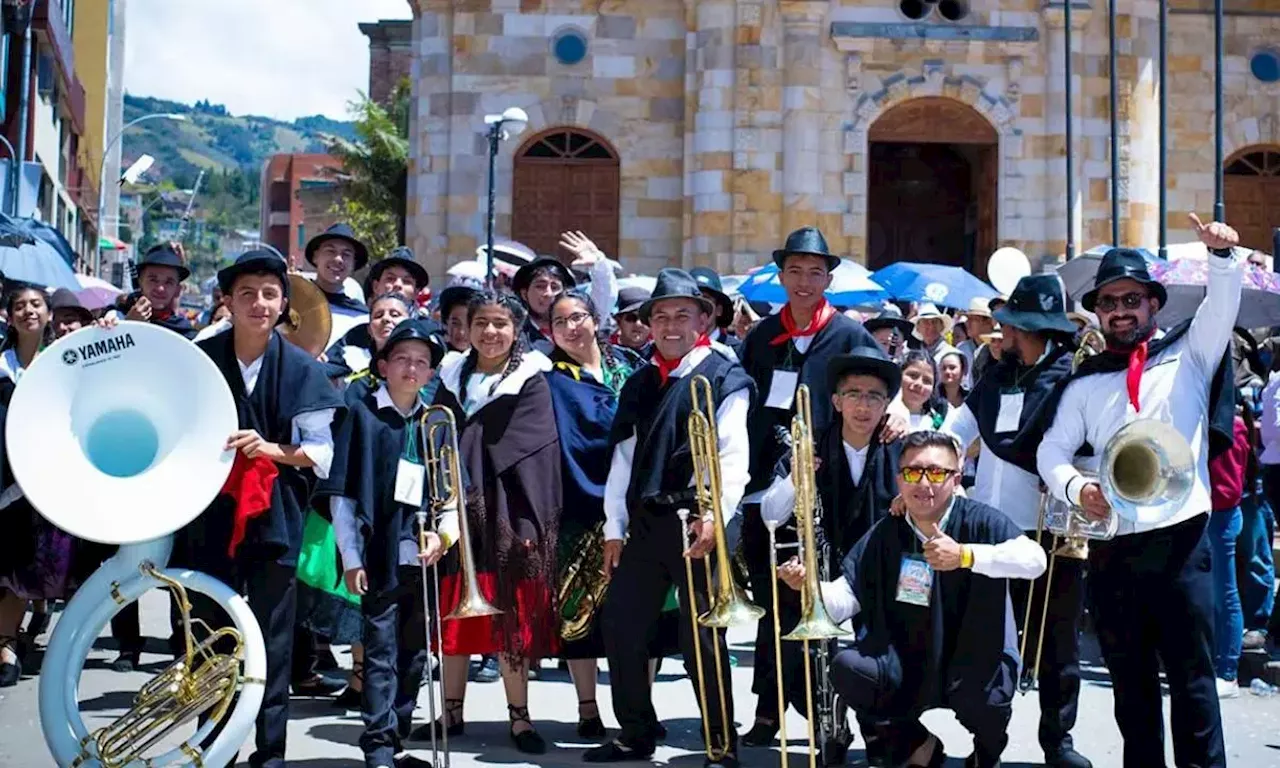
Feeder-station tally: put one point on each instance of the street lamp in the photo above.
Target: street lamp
(510, 123)
(102, 170)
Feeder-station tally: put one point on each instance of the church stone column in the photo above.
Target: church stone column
(709, 132)
(430, 124)
(1139, 116)
(802, 112)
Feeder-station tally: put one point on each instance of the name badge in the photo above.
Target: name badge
(782, 390)
(1010, 412)
(410, 477)
(915, 581)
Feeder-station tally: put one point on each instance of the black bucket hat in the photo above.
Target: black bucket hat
(339, 231)
(630, 299)
(675, 284)
(709, 281)
(1038, 303)
(1123, 264)
(257, 260)
(63, 298)
(164, 255)
(414, 330)
(524, 275)
(869, 361)
(400, 257)
(806, 241)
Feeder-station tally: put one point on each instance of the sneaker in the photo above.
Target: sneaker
(1228, 689)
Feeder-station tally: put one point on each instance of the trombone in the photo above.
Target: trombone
(444, 486)
(729, 605)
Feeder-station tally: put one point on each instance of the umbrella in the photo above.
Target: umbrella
(96, 293)
(936, 283)
(26, 259)
(38, 230)
(508, 256)
(1078, 273)
(851, 285)
(1186, 280)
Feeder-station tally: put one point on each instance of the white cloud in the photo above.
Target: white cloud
(278, 58)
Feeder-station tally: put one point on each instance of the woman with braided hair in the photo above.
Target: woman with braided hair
(509, 451)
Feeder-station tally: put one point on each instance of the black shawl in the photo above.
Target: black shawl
(1042, 386)
(290, 383)
(176, 322)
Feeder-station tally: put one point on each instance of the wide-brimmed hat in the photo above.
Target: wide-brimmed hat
(339, 231)
(630, 299)
(929, 311)
(256, 260)
(400, 257)
(63, 298)
(889, 317)
(164, 255)
(979, 308)
(870, 361)
(524, 275)
(675, 284)
(1038, 303)
(414, 330)
(1123, 264)
(807, 241)
(709, 281)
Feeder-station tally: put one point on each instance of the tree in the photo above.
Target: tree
(375, 169)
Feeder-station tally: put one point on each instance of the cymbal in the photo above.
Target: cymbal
(309, 321)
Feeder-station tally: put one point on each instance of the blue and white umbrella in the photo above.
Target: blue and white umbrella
(935, 283)
(26, 259)
(851, 286)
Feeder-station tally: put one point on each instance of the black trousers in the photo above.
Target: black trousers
(652, 561)
(1059, 673)
(394, 637)
(872, 685)
(1152, 599)
(271, 589)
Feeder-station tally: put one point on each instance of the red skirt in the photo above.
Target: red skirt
(483, 635)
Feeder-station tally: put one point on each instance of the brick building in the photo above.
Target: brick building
(390, 55)
(298, 193)
(701, 133)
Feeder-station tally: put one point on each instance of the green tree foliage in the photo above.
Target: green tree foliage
(375, 170)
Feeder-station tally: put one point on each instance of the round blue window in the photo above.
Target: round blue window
(1265, 66)
(570, 48)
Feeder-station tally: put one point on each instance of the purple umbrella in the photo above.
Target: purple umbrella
(1185, 280)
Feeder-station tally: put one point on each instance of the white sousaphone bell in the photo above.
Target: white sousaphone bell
(122, 436)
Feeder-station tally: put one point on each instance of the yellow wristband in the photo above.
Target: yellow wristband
(445, 540)
(966, 557)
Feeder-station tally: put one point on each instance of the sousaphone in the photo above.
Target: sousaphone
(308, 321)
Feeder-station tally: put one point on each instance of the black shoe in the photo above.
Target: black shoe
(727, 761)
(617, 752)
(318, 686)
(486, 671)
(409, 761)
(761, 734)
(126, 662)
(658, 732)
(349, 699)
(528, 742)
(835, 751)
(10, 674)
(325, 661)
(453, 713)
(1066, 758)
(590, 727)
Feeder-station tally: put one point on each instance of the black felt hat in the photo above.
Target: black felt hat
(339, 231)
(400, 257)
(414, 330)
(675, 284)
(257, 260)
(453, 296)
(869, 361)
(709, 281)
(1038, 303)
(63, 298)
(524, 275)
(164, 256)
(1123, 264)
(806, 241)
(630, 299)
(890, 317)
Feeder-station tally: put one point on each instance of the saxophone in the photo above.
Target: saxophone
(582, 585)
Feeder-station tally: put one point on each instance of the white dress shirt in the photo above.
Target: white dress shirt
(1017, 558)
(1270, 426)
(731, 427)
(1175, 390)
(779, 500)
(312, 431)
(1000, 484)
(343, 509)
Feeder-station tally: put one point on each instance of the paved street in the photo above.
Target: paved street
(322, 738)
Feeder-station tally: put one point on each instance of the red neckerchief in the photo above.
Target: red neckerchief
(665, 366)
(250, 483)
(162, 315)
(1133, 376)
(821, 316)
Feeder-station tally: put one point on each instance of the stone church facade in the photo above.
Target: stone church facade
(678, 132)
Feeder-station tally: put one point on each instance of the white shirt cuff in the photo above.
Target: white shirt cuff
(314, 436)
(1018, 558)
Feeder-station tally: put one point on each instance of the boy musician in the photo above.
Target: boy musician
(398, 273)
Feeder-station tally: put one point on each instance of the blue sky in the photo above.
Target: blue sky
(279, 58)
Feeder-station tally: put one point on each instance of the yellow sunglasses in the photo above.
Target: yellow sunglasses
(936, 475)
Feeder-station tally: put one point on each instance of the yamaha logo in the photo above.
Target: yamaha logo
(70, 357)
(99, 351)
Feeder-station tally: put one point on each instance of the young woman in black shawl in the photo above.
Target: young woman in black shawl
(510, 452)
(588, 375)
(925, 408)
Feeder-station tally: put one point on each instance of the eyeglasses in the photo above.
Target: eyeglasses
(575, 320)
(866, 398)
(936, 475)
(1129, 300)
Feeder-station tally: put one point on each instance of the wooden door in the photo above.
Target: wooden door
(1251, 193)
(566, 178)
(917, 203)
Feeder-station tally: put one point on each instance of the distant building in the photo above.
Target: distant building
(232, 244)
(298, 196)
(390, 55)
